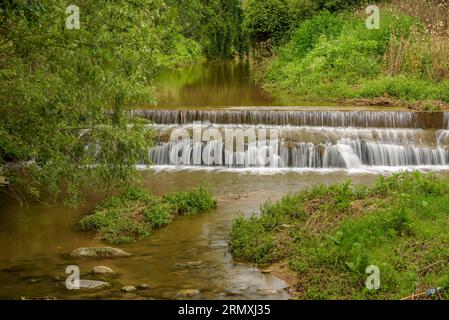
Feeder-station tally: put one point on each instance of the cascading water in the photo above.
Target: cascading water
(301, 139)
(364, 119)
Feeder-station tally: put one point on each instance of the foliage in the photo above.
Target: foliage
(273, 20)
(266, 20)
(215, 24)
(332, 233)
(192, 202)
(335, 56)
(61, 90)
(135, 213)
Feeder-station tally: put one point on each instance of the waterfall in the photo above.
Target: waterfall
(301, 139)
(361, 119)
(446, 120)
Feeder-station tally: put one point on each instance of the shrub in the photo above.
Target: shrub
(158, 216)
(308, 34)
(266, 20)
(134, 214)
(190, 202)
(399, 225)
(334, 56)
(250, 242)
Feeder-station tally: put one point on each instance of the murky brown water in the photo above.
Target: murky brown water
(209, 85)
(217, 84)
(36, 241)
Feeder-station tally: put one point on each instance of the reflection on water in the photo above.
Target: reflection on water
(211, 84)
(35, 243)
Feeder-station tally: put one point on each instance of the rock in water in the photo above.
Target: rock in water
(143, 286)
(93, 284)
(267, 292)
(265, 271)
(129, 289)
(38, 298)
(188, 293)
(102, 270)
(99, 252)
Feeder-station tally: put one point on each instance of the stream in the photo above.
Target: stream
(318, 145)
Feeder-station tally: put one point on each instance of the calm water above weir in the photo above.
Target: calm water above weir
(211, 85)
(316, 145)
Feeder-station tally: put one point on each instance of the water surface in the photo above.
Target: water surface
(36, 239)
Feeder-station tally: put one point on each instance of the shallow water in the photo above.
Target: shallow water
(36, 239)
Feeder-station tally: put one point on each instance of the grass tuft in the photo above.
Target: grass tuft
(329, 235)
(135, 214)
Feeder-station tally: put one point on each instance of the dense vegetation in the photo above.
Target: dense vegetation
(272, 21)
(333, 55)
(135, 214)
(328, 235)
(215, 24)
(63, 89)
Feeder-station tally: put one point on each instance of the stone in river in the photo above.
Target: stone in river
(267, 292)
(265, 271)
(128, 289)
(102, 270)
(38, 298)
(93, 284)
(143, 287)
(188, 293)
(99, 252)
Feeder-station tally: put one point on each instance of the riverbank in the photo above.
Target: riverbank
(335, 57)
(329, 235)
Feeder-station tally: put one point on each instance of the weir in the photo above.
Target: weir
(304, 139)
(361, 119)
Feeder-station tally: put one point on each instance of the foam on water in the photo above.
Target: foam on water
(305, 140)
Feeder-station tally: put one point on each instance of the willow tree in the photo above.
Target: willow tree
(64, 92)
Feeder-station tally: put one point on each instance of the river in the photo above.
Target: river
(322, 144)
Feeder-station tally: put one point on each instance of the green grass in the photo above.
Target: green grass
(334, 57)
(135, 214)
(328, 236)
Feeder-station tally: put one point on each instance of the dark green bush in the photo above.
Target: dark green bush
(190, 202)
(135, 213)
(250, 242)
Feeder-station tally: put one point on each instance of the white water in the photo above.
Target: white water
(364, 119)
(314, 146)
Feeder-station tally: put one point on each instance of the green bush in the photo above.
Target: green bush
(308, 34)
(135, 213)
(250, 242)
(334, 56)
(399, 224)
(158, 216)
(190, 202)
(266, 20)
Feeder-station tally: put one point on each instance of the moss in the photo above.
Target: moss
(330, 234)
(135, 214)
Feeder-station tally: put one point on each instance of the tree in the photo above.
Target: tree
(216, 24)
(64, 93)
(266, 20)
